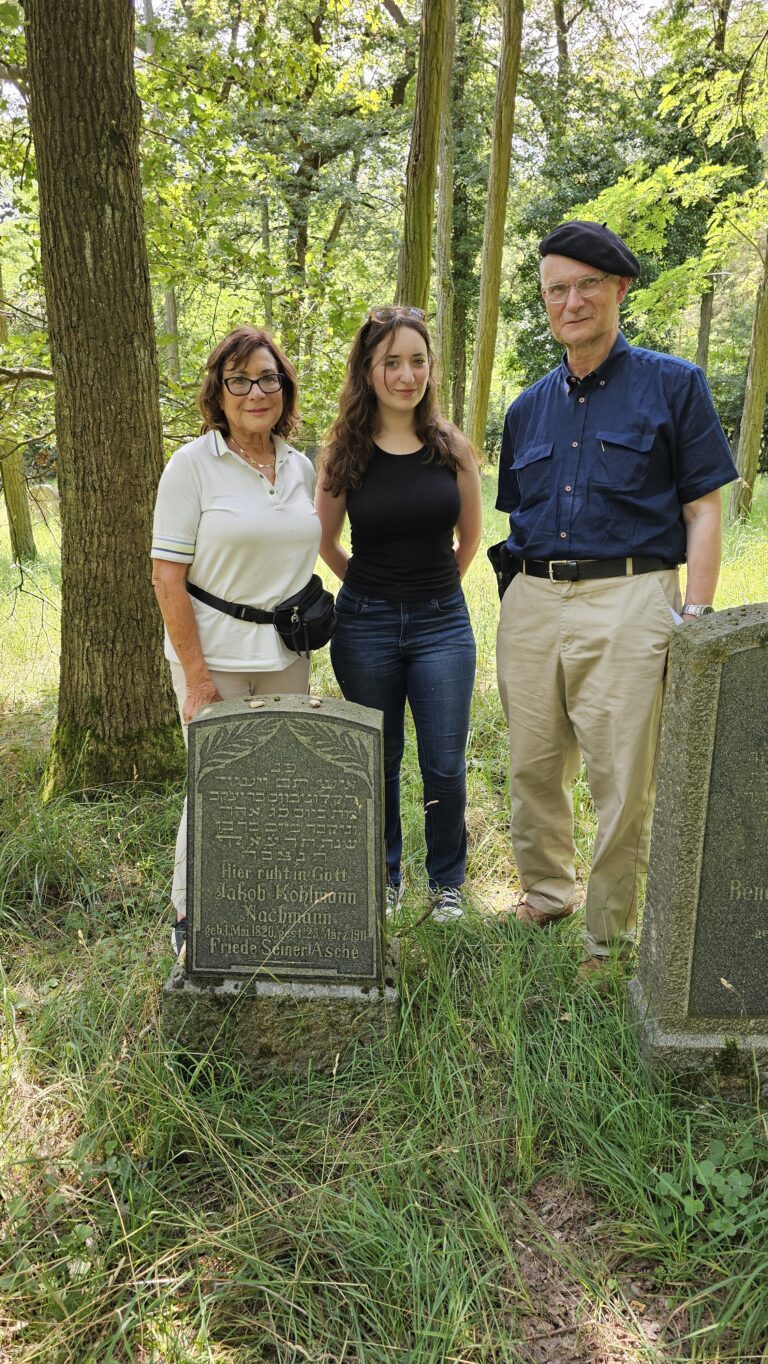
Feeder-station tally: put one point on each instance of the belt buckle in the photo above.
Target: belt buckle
(555, 563)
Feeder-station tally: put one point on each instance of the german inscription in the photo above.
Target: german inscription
(285, 868)
(729, 972)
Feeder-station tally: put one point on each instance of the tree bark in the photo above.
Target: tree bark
(116, 719)
(172, 333)
(495, 218)
(444, 291)
(753, 412)
(414, 266)
(705, 326)
(13, 482)
(267, 249)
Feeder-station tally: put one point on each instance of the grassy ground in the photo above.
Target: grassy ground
(505, 1184)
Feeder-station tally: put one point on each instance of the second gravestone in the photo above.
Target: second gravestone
(701, 993)
(285, 946)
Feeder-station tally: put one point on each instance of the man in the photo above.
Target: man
(610, 470)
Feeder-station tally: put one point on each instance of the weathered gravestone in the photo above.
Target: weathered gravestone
(287, 962)
(701, 992)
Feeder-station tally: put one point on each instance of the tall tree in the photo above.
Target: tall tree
(12, 480)
(495, 219)
(753, 412)
(444, 290)
(414, 266)
(115, 716)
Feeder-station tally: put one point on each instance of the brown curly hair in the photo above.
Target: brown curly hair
(235, 349)
(349, 443)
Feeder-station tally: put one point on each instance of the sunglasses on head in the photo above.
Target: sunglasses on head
(387, 314)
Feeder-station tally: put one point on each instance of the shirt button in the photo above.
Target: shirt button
(575, 444)
(582, 400)
(568, 488)
(602, 383)
(562, 535)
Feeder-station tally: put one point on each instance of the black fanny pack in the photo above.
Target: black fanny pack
(304, 621)
(504, 565)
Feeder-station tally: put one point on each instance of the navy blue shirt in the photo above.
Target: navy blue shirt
(601, 467)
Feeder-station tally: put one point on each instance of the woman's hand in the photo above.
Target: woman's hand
(170, 583)
(199, 695)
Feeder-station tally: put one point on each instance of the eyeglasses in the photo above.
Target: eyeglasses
(396, 310)
(585, 288)
(239, 384)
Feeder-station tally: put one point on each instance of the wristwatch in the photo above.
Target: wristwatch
(699, 611)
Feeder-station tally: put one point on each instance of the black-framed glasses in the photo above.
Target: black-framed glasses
(239, 384)
(386, 314)
(585, 287)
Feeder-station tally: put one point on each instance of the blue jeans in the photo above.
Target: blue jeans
(384, 653)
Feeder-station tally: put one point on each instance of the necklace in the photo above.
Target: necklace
(254, 463)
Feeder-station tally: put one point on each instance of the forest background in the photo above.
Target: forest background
(506, 1184)
(273, 157)
(296, 166)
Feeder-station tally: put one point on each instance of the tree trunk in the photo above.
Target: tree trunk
(416, 250)
(13, 482)
(443, 255)
(753, 412)
(495, 218)
(267, 249)
(705, 326)
(14, 485)
(172, 333)
(116, 718)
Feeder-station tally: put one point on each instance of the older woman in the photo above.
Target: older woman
(234, 517)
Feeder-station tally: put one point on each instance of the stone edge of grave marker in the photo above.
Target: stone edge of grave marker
(273, 1027)
(278, 1027)
(283, 704)
(658, 995)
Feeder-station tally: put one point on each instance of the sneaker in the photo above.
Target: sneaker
(179, 936)
(394, 897)
(448, 905)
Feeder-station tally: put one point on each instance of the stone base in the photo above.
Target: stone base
(685, 1045)
(272, 1027)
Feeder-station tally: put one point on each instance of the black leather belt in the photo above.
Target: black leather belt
(576, 570)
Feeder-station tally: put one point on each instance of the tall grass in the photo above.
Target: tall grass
(159, 1210)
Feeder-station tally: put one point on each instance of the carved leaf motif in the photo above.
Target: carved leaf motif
(355, 762)
(347, 749)
(217, 750)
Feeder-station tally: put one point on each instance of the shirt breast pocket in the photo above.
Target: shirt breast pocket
(533, 470)
(622, 460)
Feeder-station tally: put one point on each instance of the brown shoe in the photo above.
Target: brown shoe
(539, 918)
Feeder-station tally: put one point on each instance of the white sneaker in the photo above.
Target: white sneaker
(394, 897)
(448, 905)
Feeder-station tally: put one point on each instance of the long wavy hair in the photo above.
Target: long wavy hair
(349, 443)
(235, 349)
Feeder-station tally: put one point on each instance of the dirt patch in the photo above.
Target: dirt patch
(582, 1306)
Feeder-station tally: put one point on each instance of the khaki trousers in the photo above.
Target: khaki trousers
(581, 667)
(294, 678)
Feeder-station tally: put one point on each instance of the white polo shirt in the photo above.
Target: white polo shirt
(244, 540)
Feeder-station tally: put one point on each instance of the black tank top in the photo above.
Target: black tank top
(402, 518)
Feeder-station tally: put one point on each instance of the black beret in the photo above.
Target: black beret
(592, 243)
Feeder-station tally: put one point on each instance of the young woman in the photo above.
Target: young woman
(409, 483)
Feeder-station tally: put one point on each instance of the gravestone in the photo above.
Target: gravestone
(701, 992)
(286, 961)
